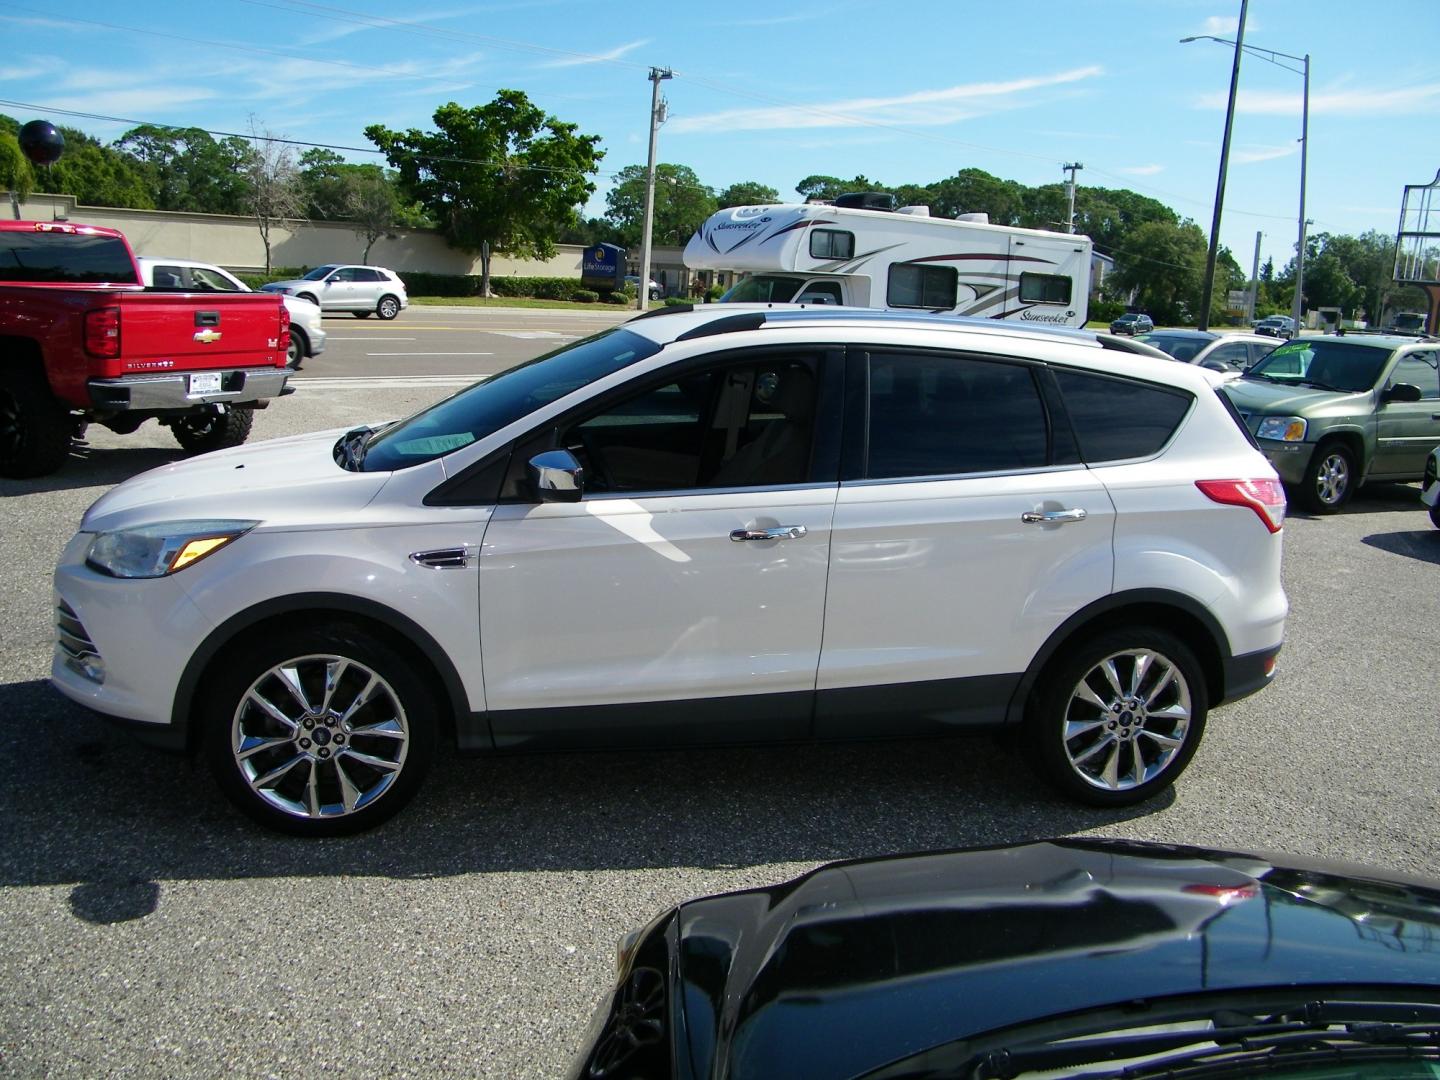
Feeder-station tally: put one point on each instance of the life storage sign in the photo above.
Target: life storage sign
(603, 267)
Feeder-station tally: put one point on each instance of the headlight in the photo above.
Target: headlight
(153, 551)
(1282, 429)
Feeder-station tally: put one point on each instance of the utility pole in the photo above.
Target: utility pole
(1299, 304)
(1304, 154)
(657, 117)
(1209, 290)
(1070, 214)
(1254, 280)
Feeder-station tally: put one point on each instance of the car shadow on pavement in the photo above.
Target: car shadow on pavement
(97, 467)
(1422, 544)
(1371, 499)
(88, 806)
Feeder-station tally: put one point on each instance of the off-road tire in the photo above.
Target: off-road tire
(202, 432)
(35, 429)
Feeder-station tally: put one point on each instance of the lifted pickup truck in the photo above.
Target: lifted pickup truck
(82, 341)
(1334, 412)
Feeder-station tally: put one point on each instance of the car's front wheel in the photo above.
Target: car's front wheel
(1117, 718)
(1329, 479)
(319, 732)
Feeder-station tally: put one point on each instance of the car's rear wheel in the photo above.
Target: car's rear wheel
(216, 427)
(387, 308)
(319, 732)
(362, 314)
(296, 353)
(1329, 479)
(35, 429)
(1117, 717)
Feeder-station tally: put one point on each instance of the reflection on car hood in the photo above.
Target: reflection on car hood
(294, 478)
(860, 964)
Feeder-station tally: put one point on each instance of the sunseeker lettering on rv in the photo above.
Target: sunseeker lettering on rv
(1031, 316)
(742, 224)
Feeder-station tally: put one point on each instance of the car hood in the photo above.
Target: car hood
(1274, 399)
(280, 286)
(861, 964)
(282, 481)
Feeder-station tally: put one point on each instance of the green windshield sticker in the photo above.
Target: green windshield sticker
(436, 444)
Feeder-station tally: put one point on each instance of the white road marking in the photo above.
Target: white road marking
(429, 354)
(371, 337)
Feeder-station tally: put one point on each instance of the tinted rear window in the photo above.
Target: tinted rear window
(65, 258)
(1116, 419)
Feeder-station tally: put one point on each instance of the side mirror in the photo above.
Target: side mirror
(556, 476)
(1403, 391)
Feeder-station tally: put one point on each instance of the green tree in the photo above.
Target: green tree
(975, 191)
(274, 194)
(1164, 263)
(322, 180)
(747, 193)
(682, 204)
(371, 202)
(93, 173)
(16, 175)
(188, 169)
(502, 177)
(827, 187)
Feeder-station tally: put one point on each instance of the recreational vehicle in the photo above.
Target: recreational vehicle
(858, 252)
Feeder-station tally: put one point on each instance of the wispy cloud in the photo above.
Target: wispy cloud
(1410, 99)
(925, 108)
(1248, 155)
(1142, 170)
(359, 24)
(598, 58)
(136, 102)
(771, 20)
(28, 72)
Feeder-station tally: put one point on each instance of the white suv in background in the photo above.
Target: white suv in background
(307, 334)
(707, 526)
(361, 290)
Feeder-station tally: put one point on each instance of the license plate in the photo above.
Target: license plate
(206, 382)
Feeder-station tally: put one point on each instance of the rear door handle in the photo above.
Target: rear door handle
(783, 532)
(1057, 517)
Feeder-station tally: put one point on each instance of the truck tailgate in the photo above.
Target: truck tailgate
(181, 331)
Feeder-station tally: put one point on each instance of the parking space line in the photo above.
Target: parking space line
(429, 354)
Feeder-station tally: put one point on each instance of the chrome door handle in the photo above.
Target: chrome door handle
(784, 532)
(1047, 517)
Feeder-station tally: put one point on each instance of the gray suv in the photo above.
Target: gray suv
(361, 290)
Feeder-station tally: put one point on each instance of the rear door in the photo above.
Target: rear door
(965, 532)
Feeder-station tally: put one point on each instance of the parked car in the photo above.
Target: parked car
(307, 335)
(1409, 323)
(1080, 957)
(1218, 352)
(1430, 486)
(653, 286)
(660, 525)
(1335, 412)
(85, 343)
(361, 290)
(1279, 326)
(1132, 322)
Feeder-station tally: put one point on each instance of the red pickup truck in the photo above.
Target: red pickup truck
(83, 341)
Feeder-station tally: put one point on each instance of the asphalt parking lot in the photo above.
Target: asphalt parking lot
(145, 928)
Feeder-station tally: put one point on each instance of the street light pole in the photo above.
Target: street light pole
(1299, 304)
(642, 301)
(1214, 251)
(1071, 168)
(1254, 279)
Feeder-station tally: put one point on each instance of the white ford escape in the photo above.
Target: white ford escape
(699, 527)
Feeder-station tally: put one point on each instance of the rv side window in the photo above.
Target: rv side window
(1044, 288)
(922, 286)
(831, 244)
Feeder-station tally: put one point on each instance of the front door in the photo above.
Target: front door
(682, 598)
(1406, 431)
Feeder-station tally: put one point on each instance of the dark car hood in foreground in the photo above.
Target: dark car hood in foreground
(859, 964)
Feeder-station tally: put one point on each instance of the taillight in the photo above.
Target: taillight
(1265, 497)
(102, 332)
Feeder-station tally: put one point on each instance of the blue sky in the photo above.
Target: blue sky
(776, 92)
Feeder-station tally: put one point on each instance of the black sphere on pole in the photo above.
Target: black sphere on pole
(41, 142)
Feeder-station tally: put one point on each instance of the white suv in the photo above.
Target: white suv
(702, 526)
(361, 290)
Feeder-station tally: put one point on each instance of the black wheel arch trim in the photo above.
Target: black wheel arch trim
(471, 730)
(1107, 605)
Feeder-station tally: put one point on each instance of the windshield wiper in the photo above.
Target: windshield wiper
(1258, 375)
(350, 450)
(1319, 385)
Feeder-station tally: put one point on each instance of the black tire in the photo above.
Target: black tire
(35, 429)
(1435, 516)
(294, 784)
(388, 307)
(307, 296)
(213, 428)
(1113, 748)
(362, 314)
(297, 351)
(1330, 479)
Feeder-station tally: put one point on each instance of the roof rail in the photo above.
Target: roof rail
(730, 324)
(668, 309)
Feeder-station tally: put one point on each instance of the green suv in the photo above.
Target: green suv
(1332, 413)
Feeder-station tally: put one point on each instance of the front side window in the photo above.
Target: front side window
(1234, 355)
(1418, 369)
(1323, 363)
(209, 281)
(502, 399)
(741, 425)
(941, 415)
(1044, 288)
(831, 244)
(915, 286)
(1118, 419)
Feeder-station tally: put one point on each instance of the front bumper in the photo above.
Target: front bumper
(1289, 459)
(137, 393)
(315, 335)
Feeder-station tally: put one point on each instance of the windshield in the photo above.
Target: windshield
(1180, 346)
(1409, 322)
(319, 272)
(501, 399)
(1326, 363)
(764, 289)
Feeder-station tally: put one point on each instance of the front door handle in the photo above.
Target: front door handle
(784, 532)
(1055, 517)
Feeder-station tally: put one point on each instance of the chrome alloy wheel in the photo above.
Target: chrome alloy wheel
(1332, 478)
(320, 736)
(1127, 719)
